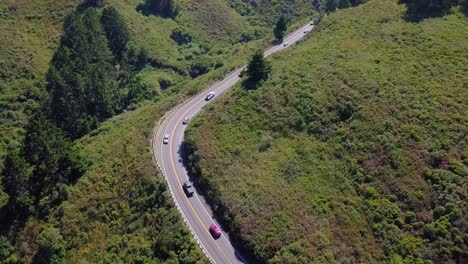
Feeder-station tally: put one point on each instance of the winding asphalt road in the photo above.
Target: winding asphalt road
(195, 211)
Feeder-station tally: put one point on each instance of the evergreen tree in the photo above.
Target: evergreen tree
(142, 58)
(7, 252)
(15, 179)
(419, 9)
(331, 6)
(116, 31)
(54, 163)
(166, 8)
(344, 3)
(280, 28)
(258, 68)
(82, 82)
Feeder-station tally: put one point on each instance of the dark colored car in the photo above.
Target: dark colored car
(186, 186)
(210, 95)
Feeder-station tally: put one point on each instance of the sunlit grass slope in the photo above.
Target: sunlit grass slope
(354, 152)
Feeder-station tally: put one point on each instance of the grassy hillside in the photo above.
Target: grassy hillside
(29, 34)
(119, 211)
(355, 151)
(31, 31)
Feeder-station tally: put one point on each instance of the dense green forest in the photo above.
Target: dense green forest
(354, 150)
(86, 82)
(74, 151)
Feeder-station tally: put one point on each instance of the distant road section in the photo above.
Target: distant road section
(194, 209)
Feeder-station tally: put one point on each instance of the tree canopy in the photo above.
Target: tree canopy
(165, 8)
(116, 31)
(34, 176)
(258, 68)
(280, 28)
(82, 82)
(420, 9)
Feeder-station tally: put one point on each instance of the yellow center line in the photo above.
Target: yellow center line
(172, 160)
(177, 175)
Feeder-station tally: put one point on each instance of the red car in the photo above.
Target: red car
(214, 230)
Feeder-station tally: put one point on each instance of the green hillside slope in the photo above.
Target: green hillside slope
(354, 152)
(119, 210)
(31, 32)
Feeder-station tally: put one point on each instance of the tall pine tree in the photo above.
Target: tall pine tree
(166, 8)
(116, 31)
(258, 68)
(34, 177)
(280, 28)
(16, 176)
(82, 82)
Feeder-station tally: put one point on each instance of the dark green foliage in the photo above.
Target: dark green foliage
(280, 28)
(52, 246)
(7, 252)
(344, 3)
(357, 2)
(16, 176)
(293, 254)
(420, 9)
(142, 59)
(165, 8)
(82, 82)
(3, 196)
(164, 83)
(131, 57)
(138, 92)
(35, 177)
(96, 3)
(180, 37)
(464, 6)
(200, 66)
(258, 68)
(116, 31)
(85, 86)
(331, 5)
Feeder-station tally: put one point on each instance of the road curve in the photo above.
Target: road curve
(195, 211)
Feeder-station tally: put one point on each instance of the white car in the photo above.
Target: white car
(306, 31)
(185, 121)
(311, 23)
(166, 139)
(209, 96)
(285, 44)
